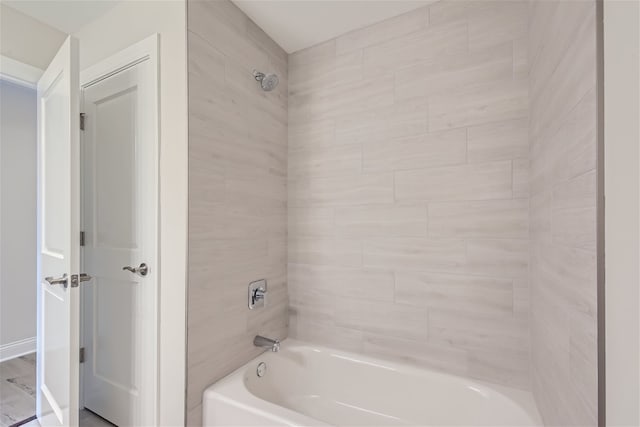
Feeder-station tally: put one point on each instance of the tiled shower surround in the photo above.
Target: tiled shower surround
(237, 189)
(400, 155)
(563, 211)
(408, 190)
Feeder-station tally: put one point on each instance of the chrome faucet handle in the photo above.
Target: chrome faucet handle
(257, 294)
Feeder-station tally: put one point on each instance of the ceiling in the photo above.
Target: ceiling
(67, 16)
(293, 24)
(298, 24)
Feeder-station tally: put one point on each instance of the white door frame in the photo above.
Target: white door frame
(145, 50)
(19, 73)
(621, 131)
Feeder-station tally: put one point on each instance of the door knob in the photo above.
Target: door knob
(143, 270)
(59, 281)
(76, 279)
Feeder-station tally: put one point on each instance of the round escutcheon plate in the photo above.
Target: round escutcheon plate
(261, 369)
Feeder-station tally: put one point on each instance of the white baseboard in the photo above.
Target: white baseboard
(17, 348)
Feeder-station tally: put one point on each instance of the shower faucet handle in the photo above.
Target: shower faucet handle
(257, 293)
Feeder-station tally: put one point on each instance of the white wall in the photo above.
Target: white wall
(26, 47)
(622, 213)
(125, 24)
(26, 39)
(17, 219)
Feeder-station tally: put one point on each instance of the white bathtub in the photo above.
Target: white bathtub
(308, 385)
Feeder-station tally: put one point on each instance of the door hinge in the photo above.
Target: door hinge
(82, 238)
(82, 116)
(81, 354)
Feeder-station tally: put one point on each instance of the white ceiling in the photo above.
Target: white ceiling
(67, 16)
(293, 24)
(298, 24)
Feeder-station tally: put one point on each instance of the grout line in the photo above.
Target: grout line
(395, 286)
(512, 178)
(428, 22)
(427, 221)
(466, 25)
(513, 59)
(428, 114)
(466, 145)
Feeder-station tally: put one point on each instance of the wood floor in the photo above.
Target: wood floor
(18, 395)
(87, 419)
(17, 389)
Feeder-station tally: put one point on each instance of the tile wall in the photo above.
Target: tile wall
(563, 117)
(237, 193)
(408, 190)
(439, 184)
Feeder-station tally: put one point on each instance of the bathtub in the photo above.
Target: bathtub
(309, 385)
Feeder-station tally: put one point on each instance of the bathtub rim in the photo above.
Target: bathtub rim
(234, 383)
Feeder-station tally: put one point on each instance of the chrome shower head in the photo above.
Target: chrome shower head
(268, 82)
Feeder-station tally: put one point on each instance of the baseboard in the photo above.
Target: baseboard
(17, 348)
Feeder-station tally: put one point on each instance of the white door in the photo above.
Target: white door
(58, 243)
(120, 226)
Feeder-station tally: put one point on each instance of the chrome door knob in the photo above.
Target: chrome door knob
(143, 270)
(59, 281)
(76, 279)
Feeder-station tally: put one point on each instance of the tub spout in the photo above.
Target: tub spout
(260, 341)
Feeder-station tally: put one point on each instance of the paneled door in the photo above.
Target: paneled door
(58, 242)
(119, 223)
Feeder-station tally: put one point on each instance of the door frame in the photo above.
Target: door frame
(19, 73)
(142, 51)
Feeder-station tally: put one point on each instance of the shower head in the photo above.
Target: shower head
(268, 82)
